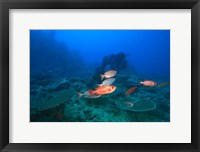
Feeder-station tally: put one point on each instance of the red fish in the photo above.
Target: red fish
(129, 91)
(102, 90)
(148, 83)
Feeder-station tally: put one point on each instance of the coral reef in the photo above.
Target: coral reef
(60, 98)
(49, 102)
(55, 114)
(65, 81)
(140, 106)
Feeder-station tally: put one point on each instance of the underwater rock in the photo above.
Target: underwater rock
(99, 70)
(64, 84)
(141, 94)
(33, 111)
(117, 94)
(119, 62)
(79, 86)
(143, 117)
(53, 114)
(56, 99)
(100, 115)
(71, 112)
(40, 81)
(116, 61)
(90, 83)
(162, 112)
(72, 80)
(150, 89)
(140, 106)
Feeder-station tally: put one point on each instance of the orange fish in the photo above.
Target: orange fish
(129, 91)
(108, 74)
(102, 90)
(148, 83)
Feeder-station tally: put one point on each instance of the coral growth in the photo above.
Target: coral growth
(149, 105)
(140, 106)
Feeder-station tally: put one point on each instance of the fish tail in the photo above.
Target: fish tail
(91, 92)
(79, 94)
(99, 84)
(102, 76)
(140, 83)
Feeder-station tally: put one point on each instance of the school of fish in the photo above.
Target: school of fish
(106, 87)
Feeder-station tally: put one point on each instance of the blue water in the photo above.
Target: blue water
(63, 60)
(147, 50)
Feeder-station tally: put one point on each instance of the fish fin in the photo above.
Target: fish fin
(139, 84)
(98, 96)
(79, 94)
(91, 92)
(102, 76)
(99, 84)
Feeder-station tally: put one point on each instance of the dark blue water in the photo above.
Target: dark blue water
(147, 50)
(64, 62)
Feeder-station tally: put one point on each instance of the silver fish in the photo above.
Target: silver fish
(86, 94)
(107, 82)
(108, 74)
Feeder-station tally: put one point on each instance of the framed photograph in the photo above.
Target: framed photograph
(99, 75)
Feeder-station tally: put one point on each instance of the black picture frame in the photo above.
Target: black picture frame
(5, 5)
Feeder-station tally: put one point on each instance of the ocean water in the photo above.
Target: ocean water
(65, 64)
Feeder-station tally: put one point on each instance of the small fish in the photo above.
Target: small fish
(108, 74)
(86, 94)
(128, 104)
(148, 83)
(163, 84)
(129, 91)
(102, 90)
(107, 82)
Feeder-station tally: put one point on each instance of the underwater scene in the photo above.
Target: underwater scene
(99, 75)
